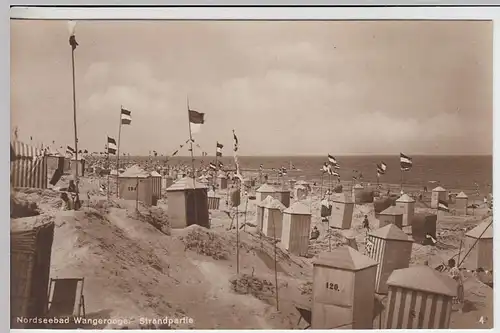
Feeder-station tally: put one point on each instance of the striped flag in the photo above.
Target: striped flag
(331, 172)
(261, 167)
(111, 147)
(235, 142)
(381, 169)
(238, 174)
(219, 149)
(332, 159)
(196, 119)
(70, 151)
(126, 117)
(212, 166)
(443, 206)
(220, 164)
(405, 161)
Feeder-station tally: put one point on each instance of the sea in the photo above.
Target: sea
(471, 174)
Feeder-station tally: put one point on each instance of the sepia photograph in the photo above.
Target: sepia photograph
(308, 174)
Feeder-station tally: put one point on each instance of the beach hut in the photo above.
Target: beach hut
(291, 183)
(438, 194)
(343, 290)
(260, 211)
(461, 202)
(156, 186)
(213, 201)
(342, 210)
(222, 181)
(356, 193)
(188, 203)
(423, 224)
(420, 298)
(296, 227)
(272, 220)
(78, 166)
(265, 190)
(28, 166)
(135, 184)
(382, 204)
(283, 196)
(480, 240)
(390, 247)
(391, 215)
(406, 203)
(203, 179)
(234, 197)
(300, 192)
(30, 254)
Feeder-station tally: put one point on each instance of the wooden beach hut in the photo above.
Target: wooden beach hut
(30, 253)
(272, 220)
(391, 215)
(213, 201)
(78, 165)
(260, 211)
(407, 204)
(342, 210)
(283, 196)
(300, 192)
(263, 191)
(291, 183)
(296, 227)
(423, 224)
(222, 181)
(390, 247)
(156, 185)
(188, 203)
(28, 166)
(480, 240)
(343, 290)
(461, 202)
(420, 298)
(356, 193)
(438, 194)
(135, 184)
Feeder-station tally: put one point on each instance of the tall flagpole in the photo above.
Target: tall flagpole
(192, 162)
(74, 44)
(214, 178)
(118, 152)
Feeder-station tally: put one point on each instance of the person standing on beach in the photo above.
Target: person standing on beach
(455, 274)
(366, 223)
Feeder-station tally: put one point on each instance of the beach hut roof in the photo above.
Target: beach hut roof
(346, 258)
(391, 232)
(212, 194)
(405, 198)
(300, 187)
(265, 202)
(341, 197)
(358, 186)
(462, 195)
(392, 210)
(113, 172)
(266, 188)
(298, 208)
(302, 182)
(186, 183)
(423, 278)
(134, 171)
(439, 189)
(155, 174)
(274, 204)
(481, 227)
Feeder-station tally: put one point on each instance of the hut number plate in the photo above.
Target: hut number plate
(333, 286)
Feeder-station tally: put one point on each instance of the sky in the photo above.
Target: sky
(286, 88)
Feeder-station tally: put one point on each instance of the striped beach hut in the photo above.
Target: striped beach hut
(391, 248)
(343, 290)
(28, 168)
(156, 184)
(213, 201)
(419, 297)
(296, 227)
(272, 220)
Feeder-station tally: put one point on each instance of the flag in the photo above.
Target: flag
(212, 166)
(111, 147)
(220, 165)
(175, 152)
(85, 151)
(326, 167)
(72, 38)
(443, 206)
(283, 171)
(261, 167)
(235, 142)
(155, 153)
(126, 117)
(70, 151)
(405, 161)
(219, 149)
(381, 168)
(196, 119)
(332, 160)
(331, 172)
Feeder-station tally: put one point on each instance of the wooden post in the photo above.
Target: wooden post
(137, 194)
(275, 264)
(237, 243)
(118, 152)
(192, 165)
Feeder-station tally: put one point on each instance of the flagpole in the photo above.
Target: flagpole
(118, 152)
(107, 162)
(73, 47)
(216, 165)
(275, 263)
(401, 180)
(192, 162)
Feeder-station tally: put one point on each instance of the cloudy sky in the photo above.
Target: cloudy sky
(286, 87)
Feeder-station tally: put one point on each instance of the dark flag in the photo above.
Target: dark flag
(126, 117)
(196, 117)
(219, 149)
(235, 142)
(175, 152)
(155, 153)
